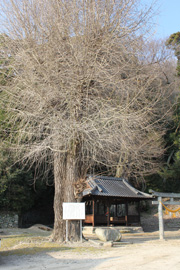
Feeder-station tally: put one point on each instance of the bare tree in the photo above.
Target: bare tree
(83, 92)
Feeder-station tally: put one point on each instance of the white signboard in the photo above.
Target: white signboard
(73, 211)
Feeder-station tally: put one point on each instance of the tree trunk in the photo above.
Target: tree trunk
(59, 224)
(120, 170)
(65, 176)
(72, 173)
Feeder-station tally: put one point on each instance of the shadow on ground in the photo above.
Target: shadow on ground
(46, 261)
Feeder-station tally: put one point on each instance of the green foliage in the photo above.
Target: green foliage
(170, 173)
(154, 182)
(15, 189)
(16, 193)
(178, 70)
(174, 39)
(18, 190)
(174, 43)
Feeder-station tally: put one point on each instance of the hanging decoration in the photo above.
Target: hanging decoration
(171, 211)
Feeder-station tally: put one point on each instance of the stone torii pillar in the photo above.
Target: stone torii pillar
(161, 195)
(161, 222)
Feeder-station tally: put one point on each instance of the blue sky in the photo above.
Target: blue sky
(168, 20)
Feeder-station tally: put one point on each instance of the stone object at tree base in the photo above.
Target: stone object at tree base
(109, 234)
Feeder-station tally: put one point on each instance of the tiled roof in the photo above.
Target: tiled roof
(112, 187)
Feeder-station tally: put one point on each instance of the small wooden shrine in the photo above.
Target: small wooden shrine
(109, 201)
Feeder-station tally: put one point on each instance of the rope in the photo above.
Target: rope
(169, 210)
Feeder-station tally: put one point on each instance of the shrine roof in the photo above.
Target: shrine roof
(113, 187)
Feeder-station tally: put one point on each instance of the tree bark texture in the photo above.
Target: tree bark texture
(66, 173)
(59, 224)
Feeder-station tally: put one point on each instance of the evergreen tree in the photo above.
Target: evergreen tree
(171, 171)
(174, 43)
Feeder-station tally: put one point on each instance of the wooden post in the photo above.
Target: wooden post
(126, 218)
(116, 210)
(81, 230)
(108, 214)
(66, 230)
(139, 213)
(93, 213)
(161, 224)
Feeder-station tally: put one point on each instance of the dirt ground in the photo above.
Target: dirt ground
(141, 251)
(138, 251)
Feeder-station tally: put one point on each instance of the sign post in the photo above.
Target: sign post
(73, 211)
(66, 230)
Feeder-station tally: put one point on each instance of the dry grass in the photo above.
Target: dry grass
(31, 243)
(24, 245)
